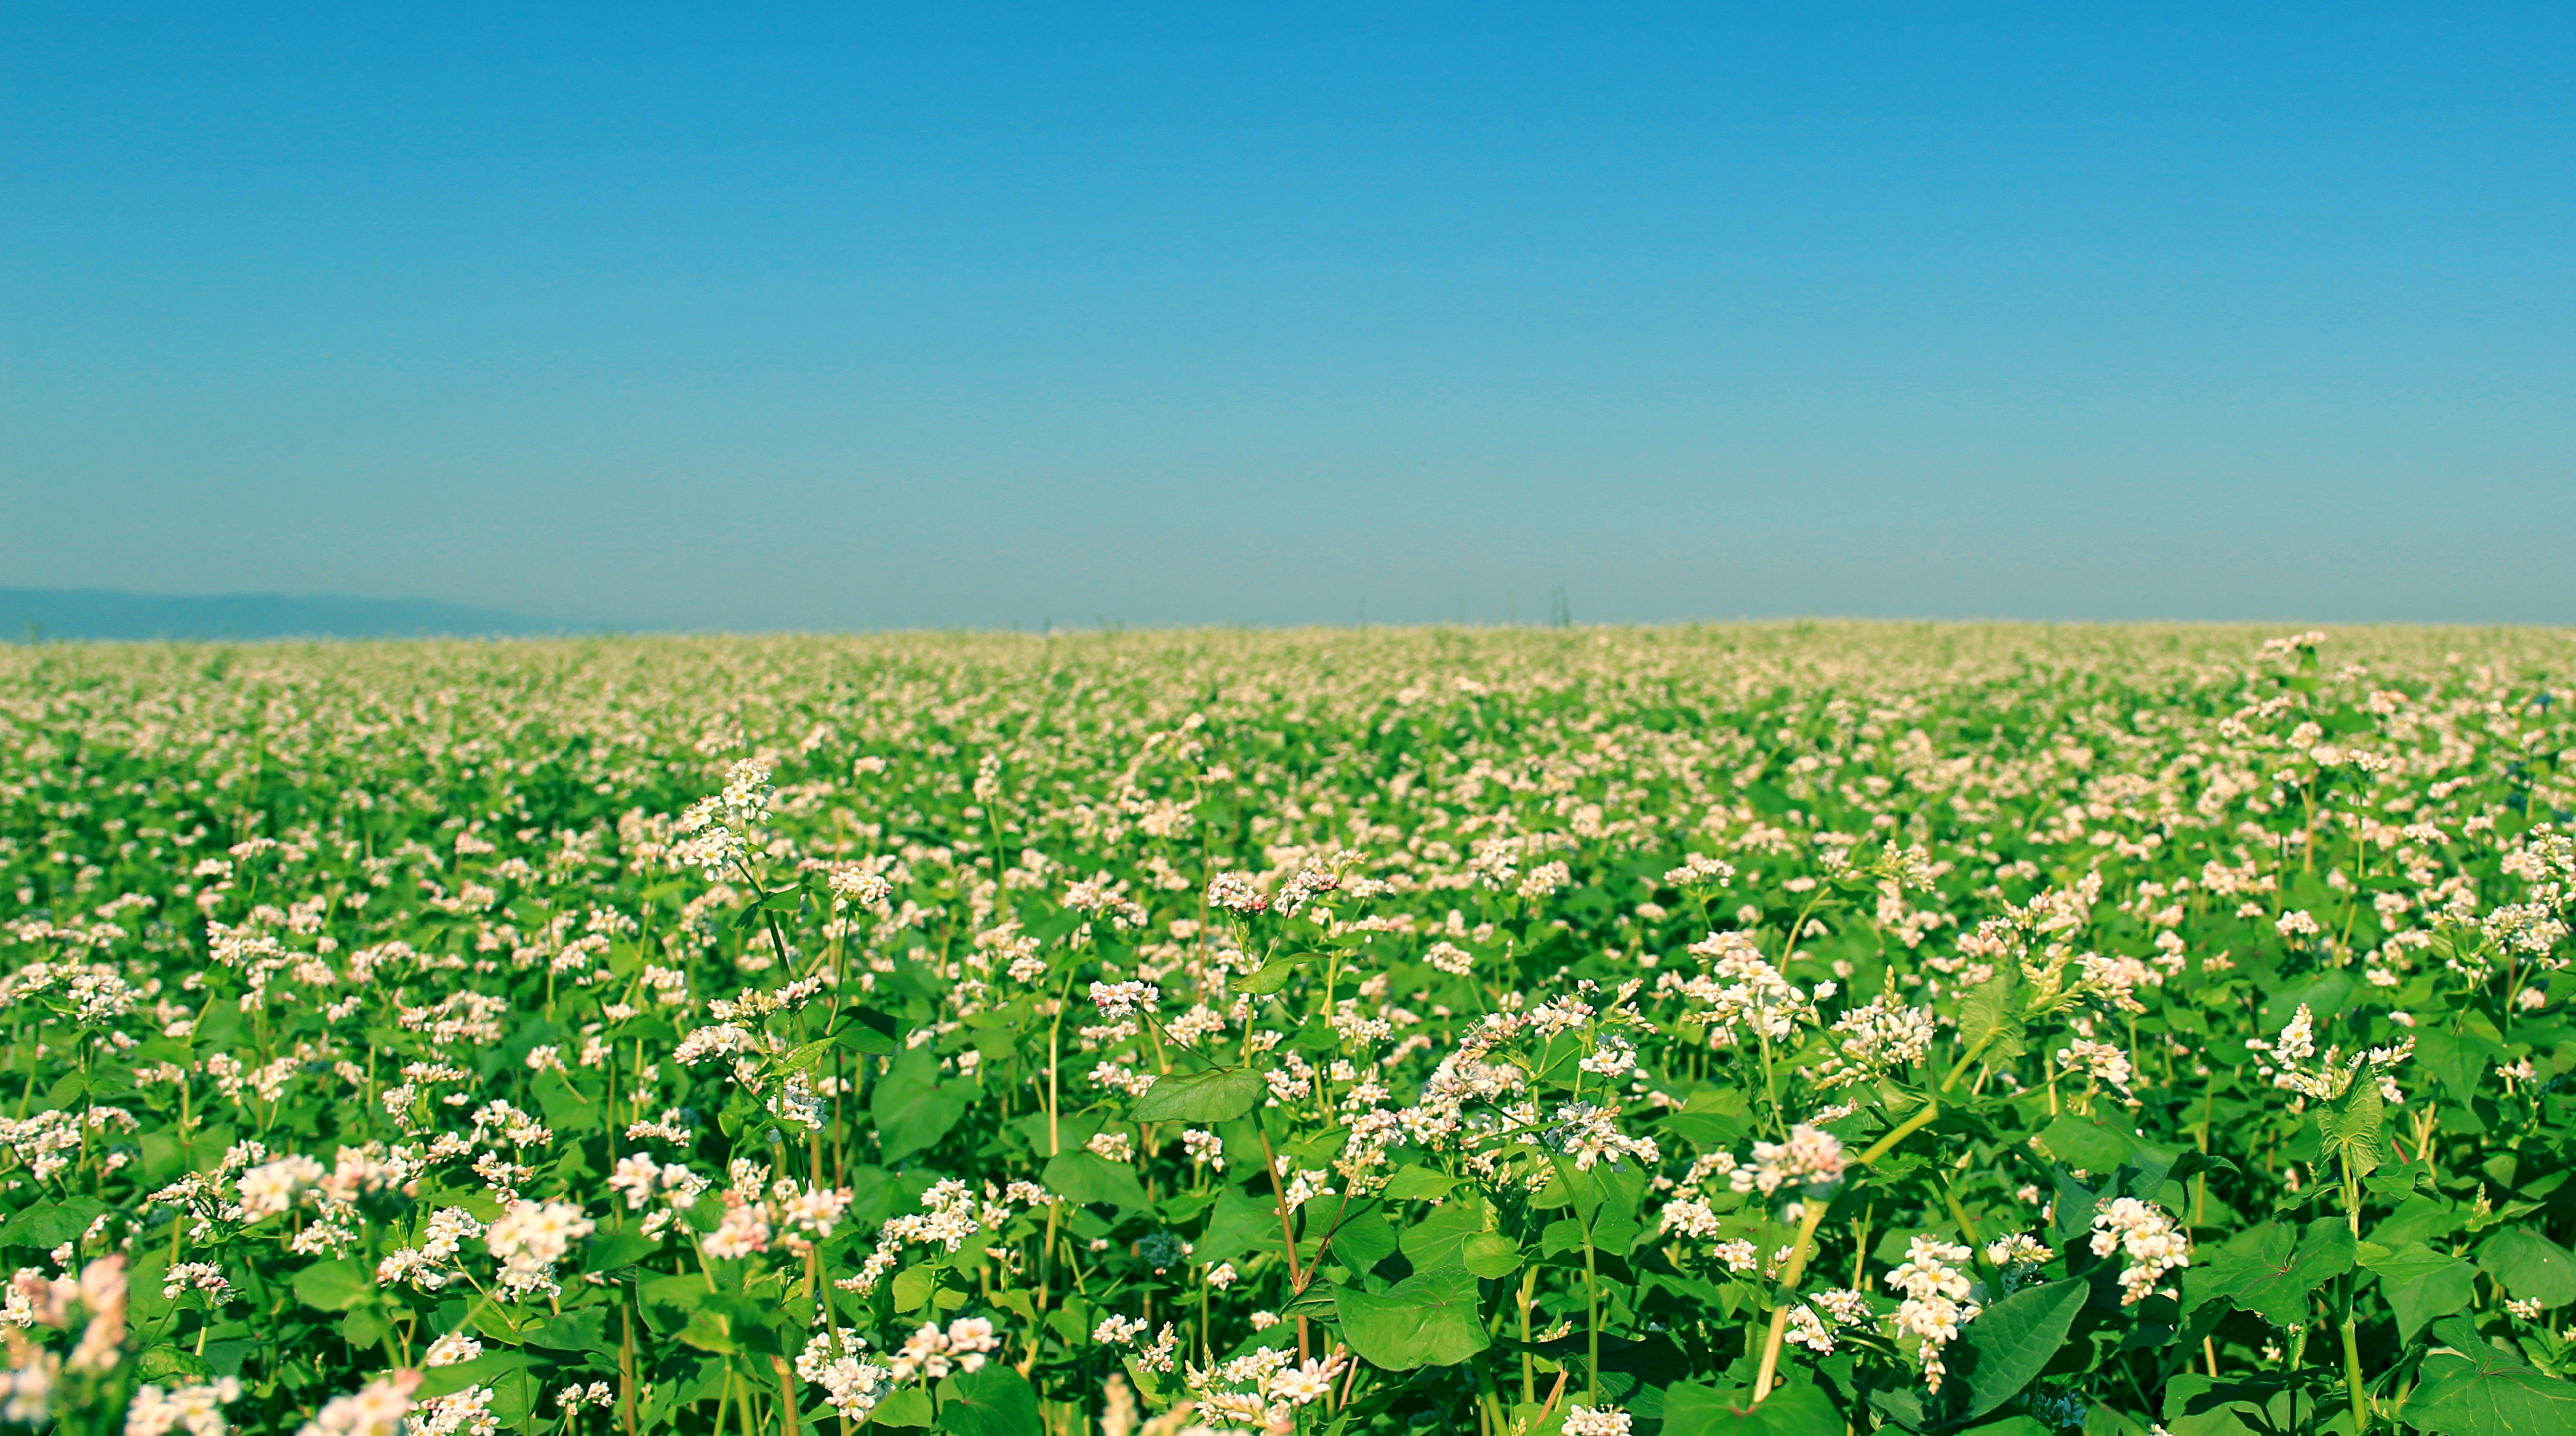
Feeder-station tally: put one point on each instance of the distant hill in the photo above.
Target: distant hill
(68, 613)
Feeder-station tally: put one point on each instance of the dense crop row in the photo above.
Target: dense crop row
(1789, 1030)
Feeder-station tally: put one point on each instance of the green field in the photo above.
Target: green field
(1767, 1030)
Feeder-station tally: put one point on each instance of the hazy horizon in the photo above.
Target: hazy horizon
(832, 318)
(39, 616)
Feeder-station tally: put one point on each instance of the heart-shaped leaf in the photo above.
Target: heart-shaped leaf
(1425, 1320)
(2005, 1348)
(1219, 1094)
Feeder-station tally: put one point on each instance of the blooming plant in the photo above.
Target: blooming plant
(1664, 1033)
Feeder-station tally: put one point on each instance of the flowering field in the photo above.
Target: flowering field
(1761, 1031)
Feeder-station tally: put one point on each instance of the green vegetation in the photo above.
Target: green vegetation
(1779, 1030)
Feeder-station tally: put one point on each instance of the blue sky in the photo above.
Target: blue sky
(834, 317)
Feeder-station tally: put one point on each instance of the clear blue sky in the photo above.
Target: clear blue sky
(834, 316)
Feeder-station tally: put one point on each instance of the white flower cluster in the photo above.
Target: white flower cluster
(1810, 1160)
(2332, 1074)
(640, 1179)
(851, 1387)
(1121, 999)
(1884, 1037)
(1840, 1308)
(1590, 1134)
(715, 832)
(2016, 1257)
(1700, 874)
(529, 1239)
(950, 1214)
(1235, 893)
(431, 1265)
(2146, 1237)
(271, 1187)
(1744, 991)
(199, 1410)
(378, 1409)
(1935, 1304)
(1263, 1387)
(930, 1353)
(1596, 1421)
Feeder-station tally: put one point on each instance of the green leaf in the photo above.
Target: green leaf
(684, 1292)
(363, 1329)
(2195, 1405)
(994, 1401)
(1363, 1240)
(2088, 1146)
(2006, 1347)
(912, 1288)
(869, 1030)
(2421, 1284)
(1316, 1304)
(706, 1331)
(334, 1285)
(2011, 1423)
(1691, 1409)
(2530, 1265)
(1989, 1022)
(2418, 1218)
(2270, 1270)
(1439, 1239)
(1274, 974)
(1490, 1255)
(1145, 1382)
(617, 1247)
(1238, 1224)
(2458, 1058)
(2351, 1124)
(1418, 1184)
(2071, 1212)
(50, 1224)
(1219, 1094)
(2324, 995)
(1088, 1177)
(1424, 1320)
(909, 1406)
(164, 1362)
(582, 1330)
(2477, 1390)
(913, 1108)
(484, 1370)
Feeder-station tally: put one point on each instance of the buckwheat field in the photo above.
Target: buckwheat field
(1785, 1030)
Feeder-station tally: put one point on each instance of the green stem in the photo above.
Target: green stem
(1966, 1059)
(1800, 1249)
(1592, 1314)
(2352, 1323)
(1790, 1276)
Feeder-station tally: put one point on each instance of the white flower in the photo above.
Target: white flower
(1120, 1330)
(198, 1409)
(2147, 1237)
(1235, 893)
(530, 1238)
(1935, 1306)
(376, 1410)
(452, 1348)
(270, 1187)
(1596, 1421)
(1112, 1147)
(1121, 999)
(1810, 1159)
